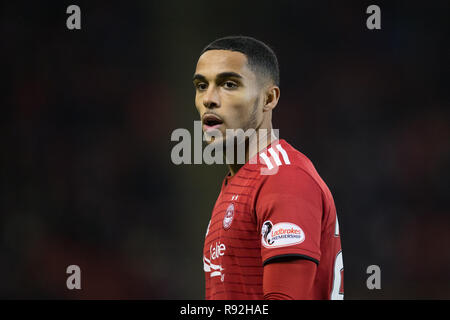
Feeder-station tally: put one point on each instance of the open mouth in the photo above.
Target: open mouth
(211, 121)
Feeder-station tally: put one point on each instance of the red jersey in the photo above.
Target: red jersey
(275, 207)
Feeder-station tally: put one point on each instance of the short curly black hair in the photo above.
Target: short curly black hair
(261, 58)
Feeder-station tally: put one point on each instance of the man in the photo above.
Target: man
(273, 232)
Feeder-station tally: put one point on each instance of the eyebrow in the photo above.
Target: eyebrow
(220, 76)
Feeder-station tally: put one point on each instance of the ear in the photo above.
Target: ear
(272, 95)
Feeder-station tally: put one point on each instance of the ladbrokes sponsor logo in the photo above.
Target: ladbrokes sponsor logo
(281, 234)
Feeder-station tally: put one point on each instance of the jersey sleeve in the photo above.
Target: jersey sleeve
(279, 277)
(289, 215)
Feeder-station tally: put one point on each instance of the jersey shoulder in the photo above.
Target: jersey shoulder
(283, 166)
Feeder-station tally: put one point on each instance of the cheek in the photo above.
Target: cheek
(242, 105)
(198, 105)
(247, 108)
(238, 113)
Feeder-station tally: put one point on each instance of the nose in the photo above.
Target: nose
(211, 98)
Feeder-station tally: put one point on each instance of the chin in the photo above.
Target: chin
(214, 139)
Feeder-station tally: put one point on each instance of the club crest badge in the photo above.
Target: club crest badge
(228, 218)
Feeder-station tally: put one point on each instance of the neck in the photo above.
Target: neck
(260, 140)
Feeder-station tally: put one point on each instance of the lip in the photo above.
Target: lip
(211, 117)
(207, 128)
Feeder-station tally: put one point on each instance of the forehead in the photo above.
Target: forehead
(213, 62)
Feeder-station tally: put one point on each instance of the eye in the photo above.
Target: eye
(230, 85)
(201, 86)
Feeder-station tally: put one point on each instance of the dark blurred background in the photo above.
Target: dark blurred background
(86, 176)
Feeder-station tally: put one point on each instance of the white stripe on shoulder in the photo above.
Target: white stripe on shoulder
(266, 159)
(275, 156)
(284, 154)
